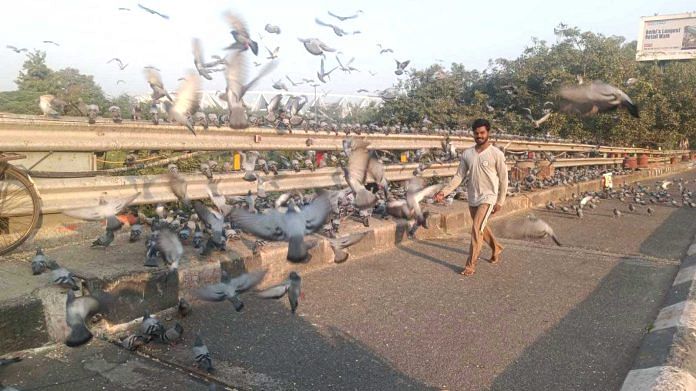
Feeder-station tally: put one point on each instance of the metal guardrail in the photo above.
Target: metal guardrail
(66, 193)
(62, 194)
(38, 134)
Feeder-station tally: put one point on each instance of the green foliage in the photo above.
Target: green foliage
(453, 98)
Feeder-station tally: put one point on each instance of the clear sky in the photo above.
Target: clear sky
(90, 32)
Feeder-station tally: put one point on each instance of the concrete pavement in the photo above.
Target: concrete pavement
(546, 318)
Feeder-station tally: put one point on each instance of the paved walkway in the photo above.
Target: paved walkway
(547, 317)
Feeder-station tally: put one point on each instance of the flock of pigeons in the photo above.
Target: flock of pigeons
(288, 217)
(581, 99)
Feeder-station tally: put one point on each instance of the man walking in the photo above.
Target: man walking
(484, 166)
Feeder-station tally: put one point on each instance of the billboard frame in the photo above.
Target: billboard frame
(661, 55)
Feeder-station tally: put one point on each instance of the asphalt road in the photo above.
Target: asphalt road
(546, 318)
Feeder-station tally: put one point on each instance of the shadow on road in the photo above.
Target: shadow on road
(593, 346)
(456, 268)
(672, 238)
(266, 347)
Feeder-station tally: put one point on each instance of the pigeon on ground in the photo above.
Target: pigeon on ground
(136, 230)
(39, 263)
(184, 307)
(173, 334)
(291, 226)
(151, 327)
(201, 355)
(292, 286)
(62, 276)
(133, 342)
(169, 245)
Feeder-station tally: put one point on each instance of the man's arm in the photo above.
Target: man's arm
(501, 169)
(457, 178)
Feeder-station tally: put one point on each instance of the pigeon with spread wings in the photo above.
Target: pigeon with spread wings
(291, 226)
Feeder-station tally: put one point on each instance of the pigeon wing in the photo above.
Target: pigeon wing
(267, 226)
(275, 292)
(100, 212)
(316, 213)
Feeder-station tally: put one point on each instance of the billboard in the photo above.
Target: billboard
(667, 37)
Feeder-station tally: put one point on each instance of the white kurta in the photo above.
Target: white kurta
(487, 174)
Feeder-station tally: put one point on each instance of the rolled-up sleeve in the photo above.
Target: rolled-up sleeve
(502, 170)
(457, 178)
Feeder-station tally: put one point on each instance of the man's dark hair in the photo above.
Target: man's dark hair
(481, 122)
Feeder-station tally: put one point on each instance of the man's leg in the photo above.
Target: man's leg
(496, 248)
(477, 215)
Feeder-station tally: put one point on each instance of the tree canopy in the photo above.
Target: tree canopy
(453, 97)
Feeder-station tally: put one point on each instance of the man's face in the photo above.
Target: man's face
(480, 135)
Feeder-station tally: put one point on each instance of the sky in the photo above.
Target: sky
(92, 32)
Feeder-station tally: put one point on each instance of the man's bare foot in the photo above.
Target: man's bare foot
(468, 271)
(495, 259)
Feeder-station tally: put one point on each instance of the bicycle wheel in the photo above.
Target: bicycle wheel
(20, 208)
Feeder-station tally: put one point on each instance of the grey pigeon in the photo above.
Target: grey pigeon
(237, 86)
(337, 30)
(344, 18)
(169, 245)
(92, 112)
(106, 208)
(240, 33)
(153, 12)
(39, 262)
(62, 276)
(272, 29)
(292, 287)
(533, 227)
(230, 288)
(183, 307)
(151, 327)
(78, 310)
(188, 98)
(201, 355)
(315, 46)
(322, 73)
(198, 60)
(339, 244)
(154, 79)
(617, 213)
(291, 226)
(116, 114)
(136, 230)
(215, 222)
(173, 334)
(133, 342)
(51, 106)
(401, 66)
(121, 65)
(177, 183)
(596, 97)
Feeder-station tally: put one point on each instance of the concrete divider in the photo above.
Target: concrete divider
(667, 356)
(158, 290)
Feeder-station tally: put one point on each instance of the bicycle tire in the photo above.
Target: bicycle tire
(13, 173)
